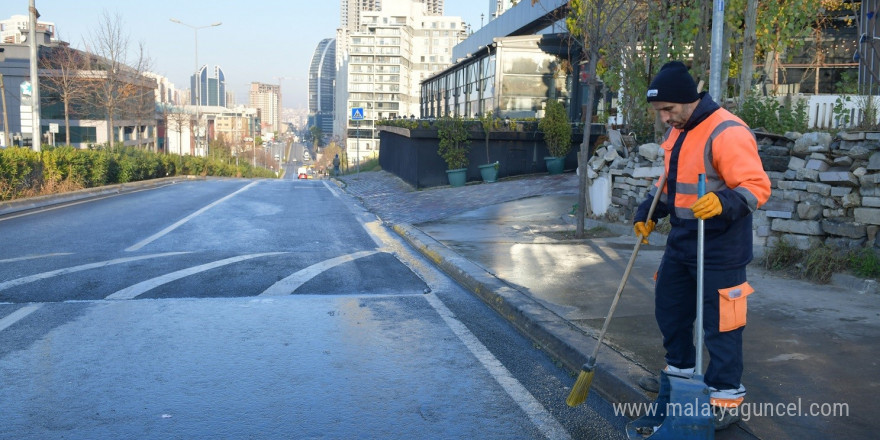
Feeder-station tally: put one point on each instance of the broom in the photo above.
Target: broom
(581, 387)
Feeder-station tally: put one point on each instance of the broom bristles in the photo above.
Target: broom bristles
(578, 394)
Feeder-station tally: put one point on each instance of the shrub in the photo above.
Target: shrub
(25, 173)
(767, 113)
(556, 129)
(453, 142)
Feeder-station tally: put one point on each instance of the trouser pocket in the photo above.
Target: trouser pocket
(732, 306)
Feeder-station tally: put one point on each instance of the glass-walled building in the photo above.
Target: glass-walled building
(513, 77)
(322, 81)
(211, 84)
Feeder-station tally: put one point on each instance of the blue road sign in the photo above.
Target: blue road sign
(357, 114)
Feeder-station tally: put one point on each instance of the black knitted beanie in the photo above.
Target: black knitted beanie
(673, 83)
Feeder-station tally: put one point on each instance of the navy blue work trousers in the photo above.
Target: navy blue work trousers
(676, 309)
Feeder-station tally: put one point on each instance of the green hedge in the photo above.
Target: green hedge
(24, 172)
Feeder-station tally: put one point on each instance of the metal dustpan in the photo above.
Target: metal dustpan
(682, 410)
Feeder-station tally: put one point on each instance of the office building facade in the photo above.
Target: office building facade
(211, 86)
(322, 82)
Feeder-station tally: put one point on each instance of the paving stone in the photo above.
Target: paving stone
(844, 229)
(802, 227)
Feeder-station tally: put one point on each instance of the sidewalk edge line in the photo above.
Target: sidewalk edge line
(555, 335)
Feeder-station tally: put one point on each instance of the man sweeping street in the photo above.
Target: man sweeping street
(704, 138)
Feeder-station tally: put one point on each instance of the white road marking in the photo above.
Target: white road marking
(67, 270)
(543, 420)
(18, 315)
(139, 288)
(34, 257)
(332, 191)
(291, 283)
(179, 223)
(546, 423)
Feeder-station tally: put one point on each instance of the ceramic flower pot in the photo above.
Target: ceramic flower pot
(489, 172)
(457, 177)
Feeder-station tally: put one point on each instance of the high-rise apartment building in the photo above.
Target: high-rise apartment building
(497, 7)
(350, 10)
(267, 99)
(211, 84)
(349, 19)
(322, 78)
(387, 57)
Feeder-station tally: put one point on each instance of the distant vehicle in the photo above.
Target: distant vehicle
(302, 173)
(306, 155)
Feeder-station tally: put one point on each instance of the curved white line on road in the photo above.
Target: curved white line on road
(139, 288)
(34, 257)
(180, 222)
(291, 283)
(67, 270)
(18, 315)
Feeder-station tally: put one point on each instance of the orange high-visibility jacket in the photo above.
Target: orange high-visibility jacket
(716, 143)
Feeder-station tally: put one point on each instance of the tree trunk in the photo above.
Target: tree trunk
(748, 57)
(666, 40)
(700, 67)
(110, 134)
(725, 65)
(67, 122)
(585, 152)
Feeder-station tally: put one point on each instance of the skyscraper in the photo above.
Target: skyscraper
(322, 76)
(212, 87)
(267, 99)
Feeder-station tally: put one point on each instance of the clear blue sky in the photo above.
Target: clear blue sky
(259, 40)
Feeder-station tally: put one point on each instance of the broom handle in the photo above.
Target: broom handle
(701, 241)
(629, 266)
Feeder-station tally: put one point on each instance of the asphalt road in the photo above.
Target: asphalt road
(256, 309)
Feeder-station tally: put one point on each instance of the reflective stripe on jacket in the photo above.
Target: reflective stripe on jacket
(716, 143)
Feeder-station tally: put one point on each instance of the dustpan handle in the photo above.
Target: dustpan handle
(698, 368)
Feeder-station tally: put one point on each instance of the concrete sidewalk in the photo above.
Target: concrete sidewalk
(811, 350)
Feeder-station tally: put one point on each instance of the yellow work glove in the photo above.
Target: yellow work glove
(643, 229)
(707, 206)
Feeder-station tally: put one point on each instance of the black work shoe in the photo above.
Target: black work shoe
(725, 417)
(650, 383)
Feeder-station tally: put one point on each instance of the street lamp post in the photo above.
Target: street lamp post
(198, 84)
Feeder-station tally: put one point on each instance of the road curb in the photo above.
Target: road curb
(616, 377)
(13, 206)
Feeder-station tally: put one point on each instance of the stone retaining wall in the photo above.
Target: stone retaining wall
(825, 189)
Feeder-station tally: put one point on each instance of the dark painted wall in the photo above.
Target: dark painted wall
(412, 154)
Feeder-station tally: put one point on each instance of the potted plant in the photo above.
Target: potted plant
(557, 135)
(489, 122)
(454, 148)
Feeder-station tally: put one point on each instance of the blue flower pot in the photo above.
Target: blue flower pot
(555, 165)
(489, 172)
(457, 177)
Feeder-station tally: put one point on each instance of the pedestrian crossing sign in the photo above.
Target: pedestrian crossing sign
(357, 114)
